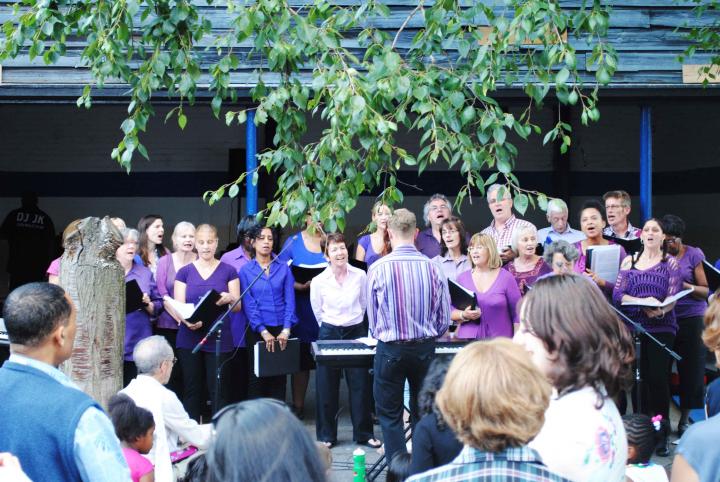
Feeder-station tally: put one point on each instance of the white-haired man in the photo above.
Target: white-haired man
(154, 359)
(557, 216)
(436, 210)
(504, 222)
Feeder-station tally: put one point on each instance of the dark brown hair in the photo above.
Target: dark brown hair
(456, 223)
(331, 238)
(143, 225)
(589, 344)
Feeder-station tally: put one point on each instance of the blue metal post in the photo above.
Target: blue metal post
(251, 191)
(646, 163)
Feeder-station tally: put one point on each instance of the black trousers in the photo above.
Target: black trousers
(264, 387)
(327, 381)
(395, 363)
(236, 374)
(176, 379)
(691, 369)
(655, 365)
(199, 378)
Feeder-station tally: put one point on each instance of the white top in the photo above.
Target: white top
(646, 473)
(171, 422)
(570, 235)
(339, 304)
(581, 442)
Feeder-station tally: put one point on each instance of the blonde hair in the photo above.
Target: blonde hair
(488, 243)
(207, 227)
(711, 333)
(176, 231)
(402, 222)
(493, 396)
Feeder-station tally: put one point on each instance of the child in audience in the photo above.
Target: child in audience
(642, 435)
(399, 469)
(134, 427)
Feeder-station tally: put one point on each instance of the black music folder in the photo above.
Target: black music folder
(712, 275)
(207, 310)
(133, 297)
(631, 246)
(461, 297)
(358, 264)
(278, 362)
(305, 272)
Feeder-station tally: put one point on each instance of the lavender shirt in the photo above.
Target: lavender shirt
(689, 306)
(659, 281)
(370, 255)
(196, 287)
(165, 278)
(137, 323)
(238, 321)
(450, 267)
(498, 305)
(427, 244)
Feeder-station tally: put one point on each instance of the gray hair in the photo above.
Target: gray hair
(426, 208)
(150, 352)
(495, 187)
(556, 205)
(178, 227)
(517, 232)
(131, 234)
(561, 246)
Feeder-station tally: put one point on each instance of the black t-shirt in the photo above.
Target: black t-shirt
(30, 234)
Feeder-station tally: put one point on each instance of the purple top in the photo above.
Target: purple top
(581, 265)
(498, 306)
(370, 255)
(137, 323)
(196, 287)
(427, 244)
(238, 321)
(689, 306)
(659, 281)
(165, 278)
(527, 278)
(271, 300)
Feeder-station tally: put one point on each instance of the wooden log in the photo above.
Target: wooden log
(94, 280)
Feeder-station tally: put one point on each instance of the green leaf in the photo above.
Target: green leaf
(182, 121)
(562, 76)
(233, 191)
(520, 203)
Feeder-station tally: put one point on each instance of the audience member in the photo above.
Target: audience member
(269, 306)
(151, 240)
(399, 468)
(561, 256)
(134, 426)
(56, 431)
(642, 438)
(408, 307)
(698, 454)
(433, 443)
(436, 210)
(262, 440)
(617, 206)
(559, 229)
(453, 258)
(155, 360)
(527, 266)
(504, 222)
(651, 276)
(374, 246)
(338, 299)
(494, 399)
(578, 342)
(496, 292)
(53, 270)
(138, 324)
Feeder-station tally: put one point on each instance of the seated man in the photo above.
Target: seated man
(56, 431)
(154, 359)
(557, 216)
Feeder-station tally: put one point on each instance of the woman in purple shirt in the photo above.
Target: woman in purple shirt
(137, 323)
(191, 284)
(650, 276)
(527, 266)
(269, 305)
(372, 247)
(183, 239)
(496, 292)
(689, 312)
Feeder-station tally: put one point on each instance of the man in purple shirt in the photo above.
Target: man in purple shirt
(408, 307)
(436, 210)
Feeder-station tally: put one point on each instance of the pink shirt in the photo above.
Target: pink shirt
(54, 268)
(138, 464)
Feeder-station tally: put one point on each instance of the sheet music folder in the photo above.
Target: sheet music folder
(278, 362)
(630, 246)
(461, 297)
(133, 297)
(304, 272)
(713, 276)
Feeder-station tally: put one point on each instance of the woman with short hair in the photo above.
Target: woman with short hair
(527, 266)
(561, 256)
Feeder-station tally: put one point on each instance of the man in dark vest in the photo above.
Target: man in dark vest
(57, 432)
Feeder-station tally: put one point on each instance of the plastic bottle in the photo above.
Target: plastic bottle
(359, 465)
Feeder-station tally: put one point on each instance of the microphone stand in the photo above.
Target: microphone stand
(216, 329)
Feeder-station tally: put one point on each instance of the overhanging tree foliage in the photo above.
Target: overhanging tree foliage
(706, 37)
(442, 84)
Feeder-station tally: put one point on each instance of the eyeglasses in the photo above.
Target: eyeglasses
(613, 206)
(173, 361)
(240, 405)
(449, 231)
(437, 208)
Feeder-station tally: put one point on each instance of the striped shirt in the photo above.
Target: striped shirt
(408, 297)
(504, 238)
(520, 464)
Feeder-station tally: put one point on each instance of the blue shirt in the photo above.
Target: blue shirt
(271, 300)
(97, 450)
(700, 448)
(548, 235)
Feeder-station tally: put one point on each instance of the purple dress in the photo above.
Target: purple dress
(498, 306)
(527, 278)
(196, 287)
(689, 306)
(137, 323)
(659, 281)
(238, 322)
(370, 255)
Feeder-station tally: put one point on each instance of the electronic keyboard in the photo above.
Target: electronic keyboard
(353, 353)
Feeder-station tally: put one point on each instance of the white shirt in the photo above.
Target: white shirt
(171, 422)
(646, 473)
(581, 442)
(570, 235)
(339, 304)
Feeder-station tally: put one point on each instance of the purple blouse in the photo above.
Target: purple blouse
(165, 278)
(238, 321)
(137, 323)
(659, 281)
(527, 278)
(370, 255)
(498, 306)
(689, 306)
(196, 287)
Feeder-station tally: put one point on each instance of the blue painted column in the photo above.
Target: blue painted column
(646, 163)
(251, 191)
